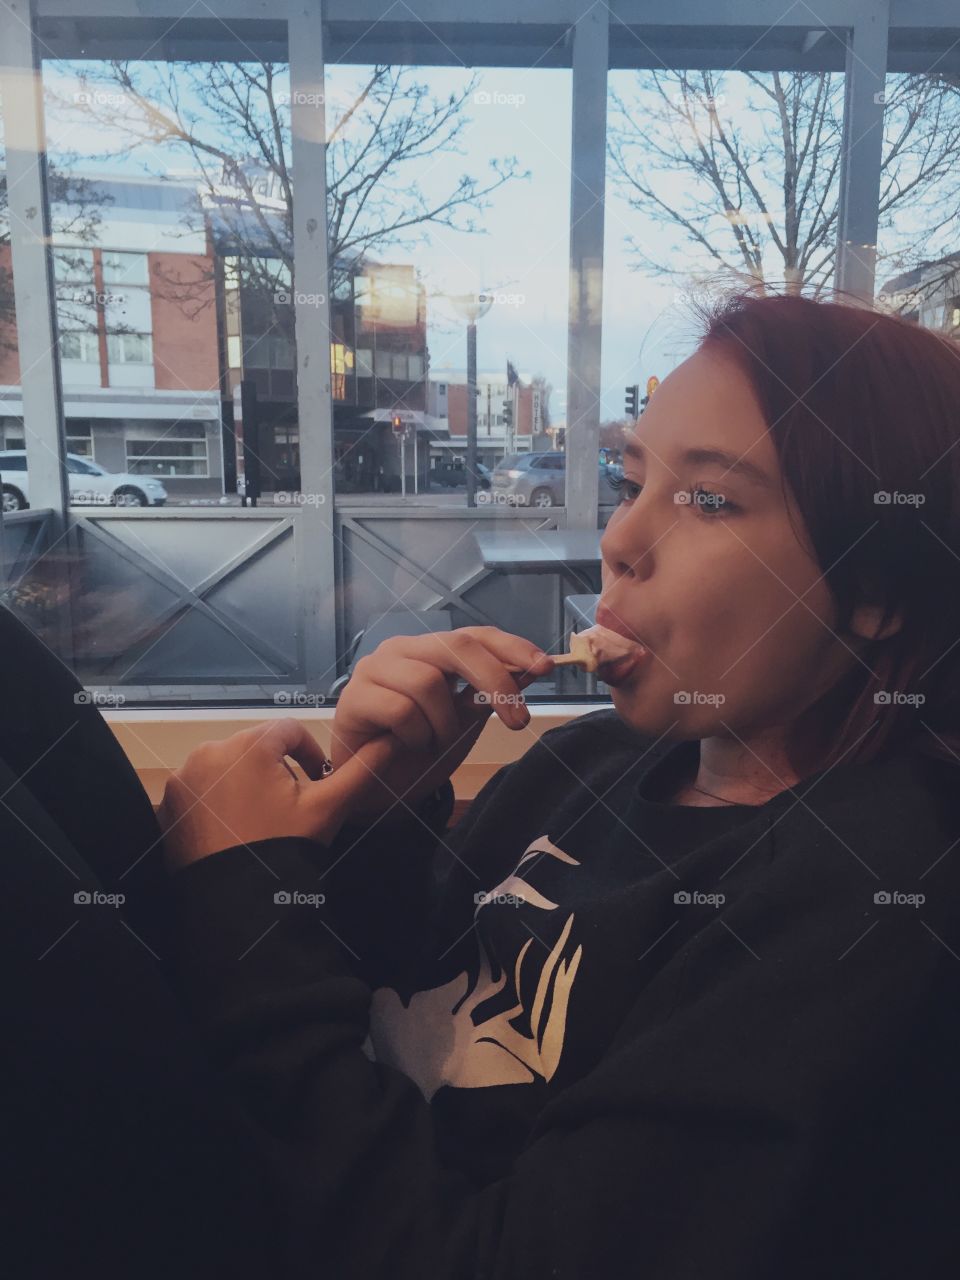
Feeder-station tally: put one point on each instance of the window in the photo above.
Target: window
(78, 468)
(9, 462)
(167, 455)
(129, 348)
(918, 268)
(80, 346)
(125, 268)
(195, 233)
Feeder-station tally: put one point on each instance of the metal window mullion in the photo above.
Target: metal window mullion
(862, 150)
(587, 178)
(314, 527)
(21, 90)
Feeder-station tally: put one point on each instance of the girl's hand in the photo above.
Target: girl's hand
(242, 789)
(403, 694)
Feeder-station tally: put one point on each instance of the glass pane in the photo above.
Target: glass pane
(917, 274)
(432, 174)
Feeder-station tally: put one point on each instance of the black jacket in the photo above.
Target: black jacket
(120, 1159)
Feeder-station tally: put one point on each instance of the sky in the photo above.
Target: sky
(522, 254)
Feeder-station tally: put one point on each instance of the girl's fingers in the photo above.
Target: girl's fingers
(429, 689)
(481, 662)
(288, 737)
(376, 708)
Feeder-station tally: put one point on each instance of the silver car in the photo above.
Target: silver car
(540, 480)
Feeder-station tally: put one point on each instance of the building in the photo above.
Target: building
(447, 415)
(928, 294)
(136, 311)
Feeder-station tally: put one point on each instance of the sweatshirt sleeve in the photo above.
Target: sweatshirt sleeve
(721, 1132)
(376, 880)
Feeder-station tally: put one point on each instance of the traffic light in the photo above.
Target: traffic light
(508, 413)
(631, 400)
(644, 402)
(396, 423)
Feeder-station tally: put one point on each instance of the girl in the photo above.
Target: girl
(680, 993)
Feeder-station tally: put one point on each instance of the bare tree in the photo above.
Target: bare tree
(233, 121)
(761, 185)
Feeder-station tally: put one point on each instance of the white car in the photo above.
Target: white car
(89, 483)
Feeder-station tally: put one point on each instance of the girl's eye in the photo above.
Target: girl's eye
(707, 502)
(627, 489)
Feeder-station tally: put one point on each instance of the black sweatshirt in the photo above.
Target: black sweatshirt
(671, 1041)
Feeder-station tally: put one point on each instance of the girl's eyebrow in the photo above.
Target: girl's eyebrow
(703, 454)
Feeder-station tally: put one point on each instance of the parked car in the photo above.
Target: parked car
(89, 484)
(540, 479)
(453, 475)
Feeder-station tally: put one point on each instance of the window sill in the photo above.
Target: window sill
(158, 741)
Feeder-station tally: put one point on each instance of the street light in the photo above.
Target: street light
(471, 306)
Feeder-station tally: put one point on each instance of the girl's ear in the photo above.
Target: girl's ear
(866, 619)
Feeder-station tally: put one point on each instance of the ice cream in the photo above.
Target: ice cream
(590, 648)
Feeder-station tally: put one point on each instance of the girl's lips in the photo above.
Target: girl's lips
(612, 623)
(620, 669)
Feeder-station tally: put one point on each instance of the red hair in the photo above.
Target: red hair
(863, 404)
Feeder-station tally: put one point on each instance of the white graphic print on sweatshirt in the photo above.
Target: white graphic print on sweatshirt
(434, 1039)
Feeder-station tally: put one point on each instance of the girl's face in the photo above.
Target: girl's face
(701, 563)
